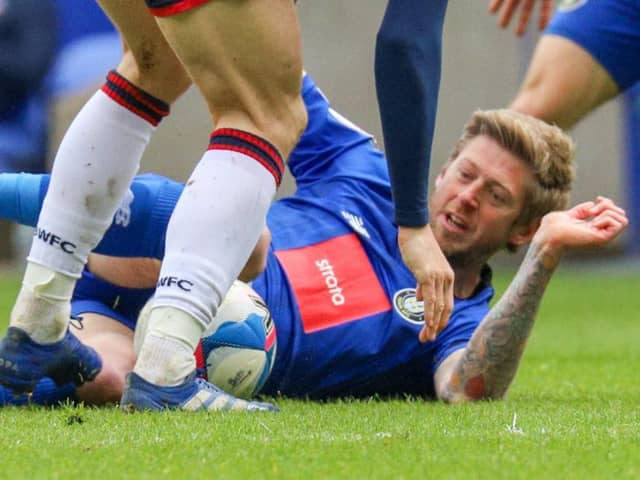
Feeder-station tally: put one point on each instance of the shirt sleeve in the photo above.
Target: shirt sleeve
(407, 70)
(21, 196)
(139, 225)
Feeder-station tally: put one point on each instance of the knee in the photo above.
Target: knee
(106, 388)
(111, 384)
(117, 361)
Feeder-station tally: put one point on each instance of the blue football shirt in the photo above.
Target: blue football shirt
(343, 302)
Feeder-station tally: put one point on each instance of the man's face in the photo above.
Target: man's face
(476, 201)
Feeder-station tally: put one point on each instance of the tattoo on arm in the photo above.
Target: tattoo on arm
(489, 363)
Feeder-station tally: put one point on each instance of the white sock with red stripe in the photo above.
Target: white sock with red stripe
(94, 166)
(215, 225)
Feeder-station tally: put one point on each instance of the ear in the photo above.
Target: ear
(521, 234)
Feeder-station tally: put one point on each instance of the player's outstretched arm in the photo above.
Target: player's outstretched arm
(143, 272)
(407, 70)
(487, 366)
(21, 196)
(137, 227)
(507, 8)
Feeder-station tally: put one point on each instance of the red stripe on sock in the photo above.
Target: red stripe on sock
(255, 140)
(137, 93)
(121, 101)
(277, 176)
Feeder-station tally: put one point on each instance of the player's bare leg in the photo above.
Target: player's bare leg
(245, 59)
(563, 83)
(114, 343)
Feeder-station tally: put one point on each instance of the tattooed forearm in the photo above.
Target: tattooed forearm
(491, 359)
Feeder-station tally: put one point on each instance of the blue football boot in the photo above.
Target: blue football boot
(194, 394)
(7, 397)
(24, 362)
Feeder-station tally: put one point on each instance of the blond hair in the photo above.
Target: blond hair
(546, 149)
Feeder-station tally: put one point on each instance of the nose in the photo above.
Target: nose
(469, 195)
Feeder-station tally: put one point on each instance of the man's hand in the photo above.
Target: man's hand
(422, 255)
(508, 7)
(585, 225)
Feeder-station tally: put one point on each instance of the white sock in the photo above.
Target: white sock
(216, 224)
(42, 308)
(97, 159)
(212, 231)
(166, 356)
(94, 166)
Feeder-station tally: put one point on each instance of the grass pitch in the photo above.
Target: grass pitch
(573, 412)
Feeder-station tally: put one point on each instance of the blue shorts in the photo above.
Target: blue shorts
(608, 29)
(93, 295)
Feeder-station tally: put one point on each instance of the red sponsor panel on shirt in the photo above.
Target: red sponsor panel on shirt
(334, 282)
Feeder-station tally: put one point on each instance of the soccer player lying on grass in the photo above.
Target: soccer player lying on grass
(344, 304)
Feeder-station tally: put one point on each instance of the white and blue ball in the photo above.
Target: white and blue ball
(238, 349)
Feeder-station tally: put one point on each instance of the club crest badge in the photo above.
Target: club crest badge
(405, 303)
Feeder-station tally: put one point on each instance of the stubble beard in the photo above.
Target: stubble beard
(469, 257)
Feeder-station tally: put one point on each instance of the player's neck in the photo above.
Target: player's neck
(466, 281)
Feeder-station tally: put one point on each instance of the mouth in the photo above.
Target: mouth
(454, 223)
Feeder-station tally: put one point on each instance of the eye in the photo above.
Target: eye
(497, 198)
(465, 174)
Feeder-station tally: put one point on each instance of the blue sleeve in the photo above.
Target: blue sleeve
(139, 226)
(407, 69)
(21, 196)
(608, 31)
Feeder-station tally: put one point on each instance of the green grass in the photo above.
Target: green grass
(576, 405)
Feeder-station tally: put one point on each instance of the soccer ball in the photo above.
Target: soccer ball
(238, 349)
